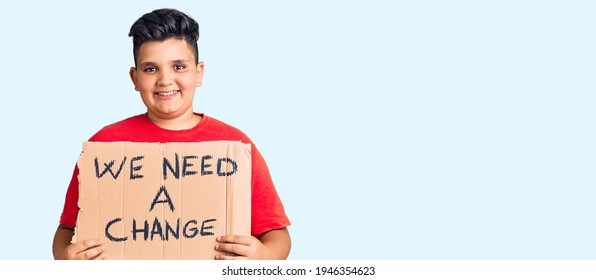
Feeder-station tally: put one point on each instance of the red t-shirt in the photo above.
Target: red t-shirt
(267, 210)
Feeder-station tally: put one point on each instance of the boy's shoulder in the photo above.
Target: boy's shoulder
(119, 131)
(213, 130)
(140, 129)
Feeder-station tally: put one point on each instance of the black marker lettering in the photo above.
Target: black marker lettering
(203, 227)
(145, 230)
(108, 168)
(110, 236)
(186, 164)
(156, 229)
(169, 229)
(192, 229)
(168, 200)
(226, 173)
(205, 165)
(134, 168)
(167, 165)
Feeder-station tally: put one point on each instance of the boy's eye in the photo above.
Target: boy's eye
(179, 67)
(149, 69)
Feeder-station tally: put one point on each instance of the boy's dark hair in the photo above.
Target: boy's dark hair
(163, 24)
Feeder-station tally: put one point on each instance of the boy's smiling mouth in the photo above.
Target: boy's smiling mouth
(167, 93)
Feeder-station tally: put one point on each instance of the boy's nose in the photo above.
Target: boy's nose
(165, 79)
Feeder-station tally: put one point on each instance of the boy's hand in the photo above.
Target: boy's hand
(242, 247)
(91, 249)
(271, 245)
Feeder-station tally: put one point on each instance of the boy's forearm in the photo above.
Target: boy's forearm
(277, 242)
(90, 249)
(61, 241)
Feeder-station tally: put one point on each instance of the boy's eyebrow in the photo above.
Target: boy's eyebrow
(180, 61)
(150, 63)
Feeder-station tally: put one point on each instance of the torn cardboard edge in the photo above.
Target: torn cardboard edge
(163, 200)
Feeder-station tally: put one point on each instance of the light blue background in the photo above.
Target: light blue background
(393, 130)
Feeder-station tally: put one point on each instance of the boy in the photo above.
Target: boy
(167, 71)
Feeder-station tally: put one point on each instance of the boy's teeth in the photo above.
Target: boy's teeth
(167, 93)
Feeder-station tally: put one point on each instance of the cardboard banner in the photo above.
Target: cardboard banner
(163, 201)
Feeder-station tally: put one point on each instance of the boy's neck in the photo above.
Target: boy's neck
(183, 122)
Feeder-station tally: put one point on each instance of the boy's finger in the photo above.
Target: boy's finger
(101, 256)
(233, 248)
(224, 257)
(238, 239)
(90, 243)
(85, 245)
(92, 253)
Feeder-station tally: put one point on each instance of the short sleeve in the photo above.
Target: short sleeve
(267, 209)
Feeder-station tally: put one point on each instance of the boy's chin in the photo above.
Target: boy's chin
(168, 114)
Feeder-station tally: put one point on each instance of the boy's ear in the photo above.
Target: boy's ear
(200, 71)
(133, 76)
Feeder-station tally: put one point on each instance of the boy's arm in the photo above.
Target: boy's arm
(279, 243)
(271, 245)
(85, 250)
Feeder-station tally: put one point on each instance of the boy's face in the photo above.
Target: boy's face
(166, 77)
